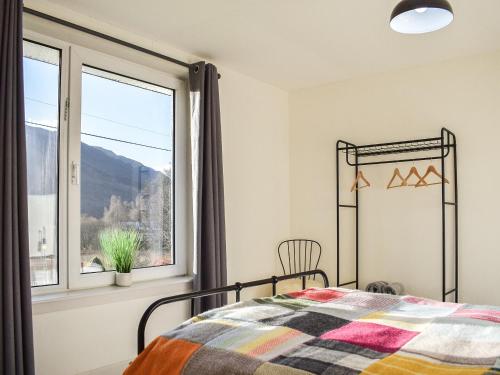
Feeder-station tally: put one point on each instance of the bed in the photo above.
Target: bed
(330, 331)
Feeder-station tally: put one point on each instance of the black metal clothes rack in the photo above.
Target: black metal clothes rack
(438, 148)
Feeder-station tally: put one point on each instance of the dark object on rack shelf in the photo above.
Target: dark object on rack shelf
(438, 148)
(236, 287)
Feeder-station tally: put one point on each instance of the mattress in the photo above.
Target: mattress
(330, 331)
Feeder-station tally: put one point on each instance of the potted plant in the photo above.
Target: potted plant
(120, 249)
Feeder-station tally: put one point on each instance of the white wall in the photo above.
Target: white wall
(94, 335)
(400, 229)
(256, 170)
(256, 174)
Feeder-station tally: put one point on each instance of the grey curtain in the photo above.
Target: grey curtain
(16, 336)
(209, 266)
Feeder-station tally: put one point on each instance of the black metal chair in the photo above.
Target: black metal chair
(298, 255)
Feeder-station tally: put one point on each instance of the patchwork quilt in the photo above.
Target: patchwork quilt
(330, 331)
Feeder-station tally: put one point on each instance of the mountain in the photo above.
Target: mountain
(103, 173)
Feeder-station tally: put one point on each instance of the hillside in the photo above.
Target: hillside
(103, 173)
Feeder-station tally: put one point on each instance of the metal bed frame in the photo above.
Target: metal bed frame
(236, 287)
(356, 156)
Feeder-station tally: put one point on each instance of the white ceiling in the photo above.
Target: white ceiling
(299, 43)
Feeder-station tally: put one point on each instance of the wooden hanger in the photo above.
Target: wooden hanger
(433, 170)
(395, 174)
(413, 172)
(359, 177)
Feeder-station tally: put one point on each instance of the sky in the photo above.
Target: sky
(109, 109)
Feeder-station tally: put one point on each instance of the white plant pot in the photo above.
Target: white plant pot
(123, 279)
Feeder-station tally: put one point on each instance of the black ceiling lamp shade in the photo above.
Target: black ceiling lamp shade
(421, 16)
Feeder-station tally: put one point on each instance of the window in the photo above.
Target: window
(107, 146)
(41, 90)
(126, 163)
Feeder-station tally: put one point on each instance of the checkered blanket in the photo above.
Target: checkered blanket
(330, 331)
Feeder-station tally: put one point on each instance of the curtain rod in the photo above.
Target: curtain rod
(104, 36)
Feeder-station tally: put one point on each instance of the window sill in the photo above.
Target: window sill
(74, 299)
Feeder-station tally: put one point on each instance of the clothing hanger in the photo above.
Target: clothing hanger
(359, 177)
(395, 174)
(433, 170)
(413, 172)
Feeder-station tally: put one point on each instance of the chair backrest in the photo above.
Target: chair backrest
(299, 255)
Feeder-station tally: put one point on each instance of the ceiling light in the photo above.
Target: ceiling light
(421, 16)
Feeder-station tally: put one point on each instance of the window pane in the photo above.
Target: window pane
(126, 166)
(41, 89)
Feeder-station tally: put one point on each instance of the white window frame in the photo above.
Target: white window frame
(83, 56)
(73, 57)
(62, 249)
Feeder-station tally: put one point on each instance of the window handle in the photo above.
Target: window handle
(75, 173)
